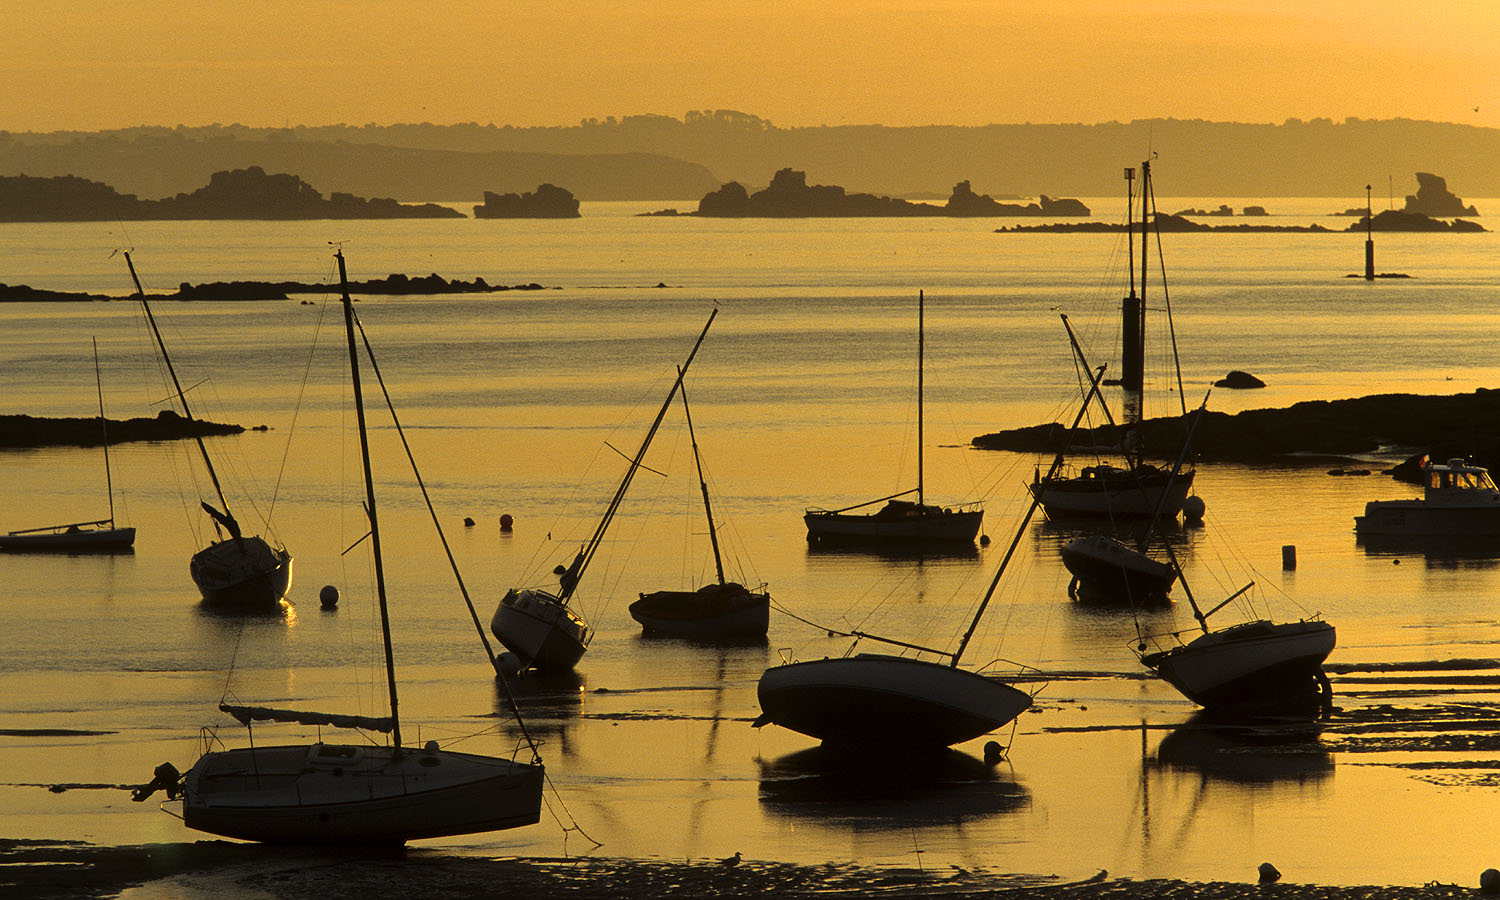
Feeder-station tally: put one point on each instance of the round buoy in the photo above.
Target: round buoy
(1193, 508)
(984, 540)
(1489, 881)
(993, 752)
(508, 663)
(468, 522)
(559, 569)
(506, 522)
(328, 596)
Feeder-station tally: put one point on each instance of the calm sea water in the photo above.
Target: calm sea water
(803, 394)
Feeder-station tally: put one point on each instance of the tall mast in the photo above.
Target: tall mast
(921, 343)
(109, 486)
(364, 452)
(713, 534)
(176, 385)
(568, 581)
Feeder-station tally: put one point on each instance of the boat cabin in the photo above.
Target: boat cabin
(1457, 479)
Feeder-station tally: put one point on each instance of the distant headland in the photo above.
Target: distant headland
(396, 284)
(789, 196)
(1390, 220)
(20, 432)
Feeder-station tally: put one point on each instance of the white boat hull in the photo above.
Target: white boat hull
(246, 574)
(540, 629)
(727, 611)
(1257, 663)
(94, 540)
(874, 698)
(1418, 518)
(324, 793)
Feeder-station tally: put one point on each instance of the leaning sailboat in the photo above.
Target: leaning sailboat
(722, 609)
(904, 701)
(237, 571)
(355, 793)
(900, 520)
(540, 627)
(1136, 489)
(97, 536)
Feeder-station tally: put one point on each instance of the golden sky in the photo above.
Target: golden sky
(88, 64)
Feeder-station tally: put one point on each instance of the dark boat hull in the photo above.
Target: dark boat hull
(242, 574)
(717, 610)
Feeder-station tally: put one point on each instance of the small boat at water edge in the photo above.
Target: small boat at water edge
(240, 572)
(539, 627)
(899, 521)
(726, 609)
(1458, 500)
(1103, 567)
(97, 536)
(1253, 664)
(352, 793)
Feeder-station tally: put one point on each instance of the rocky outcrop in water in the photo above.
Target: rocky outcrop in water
(18, 431)
(548, 202)
(790, 196)
(1434, 199)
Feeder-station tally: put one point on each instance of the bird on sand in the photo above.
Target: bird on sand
(731, 860)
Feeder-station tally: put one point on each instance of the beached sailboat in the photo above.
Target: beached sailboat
(900, 520)
(538, 626)
(355, 793)
(98, 536)
(724, 609)
(1137, 489)
(902, 701)
(243, 572)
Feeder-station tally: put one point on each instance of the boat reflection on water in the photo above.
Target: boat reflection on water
(550, 703)
(893, 552)
(1479, 551)
(884, 792)
(1260, 751)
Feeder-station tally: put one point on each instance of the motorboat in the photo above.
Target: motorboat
(1458, 500)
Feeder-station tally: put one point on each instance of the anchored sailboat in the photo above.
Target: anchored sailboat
(899, 521)
(540, 627)
(724, 609)
(1138, 489)
(98, 536)
(238, 571)
(355, 793)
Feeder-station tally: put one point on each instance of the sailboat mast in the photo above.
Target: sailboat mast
(570, 578)
(1036, 499)
(364, 452)
(109, 486)
(713, 534)
(921, 344)
(176, 385)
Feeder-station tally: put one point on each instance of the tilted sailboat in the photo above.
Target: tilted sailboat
(1139, 488)
(724, 609)
(98, 536)
(540, 627)
(356, 793)
(899, 521)
(237, 571)
(898, 700)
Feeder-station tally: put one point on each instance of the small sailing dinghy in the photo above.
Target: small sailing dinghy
(238, 572)
(1137, 489)
(902, 701)
(900, 521)
(355, 793)
(724, 609)
(540, 627)
(98, 536)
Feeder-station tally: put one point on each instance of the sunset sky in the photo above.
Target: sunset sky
(87, 64)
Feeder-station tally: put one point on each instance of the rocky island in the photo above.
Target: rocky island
(237, 194)
(790, 196)
(1400, 424)
(1390, 220)
(548, 202)
(392, 285)
(20, 432)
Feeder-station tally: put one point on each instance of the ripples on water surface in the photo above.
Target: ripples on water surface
(803, 395)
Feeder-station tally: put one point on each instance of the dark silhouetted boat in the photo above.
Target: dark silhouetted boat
(98, 536)
(356, 793)
(899, 520)
(540, 627)
(238, 571)
(724, 609)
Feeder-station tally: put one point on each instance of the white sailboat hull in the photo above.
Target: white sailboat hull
(1257, 663)
(540, 629)
(1104, 566)
(357, 794)
(245, 573)
(874, 698)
